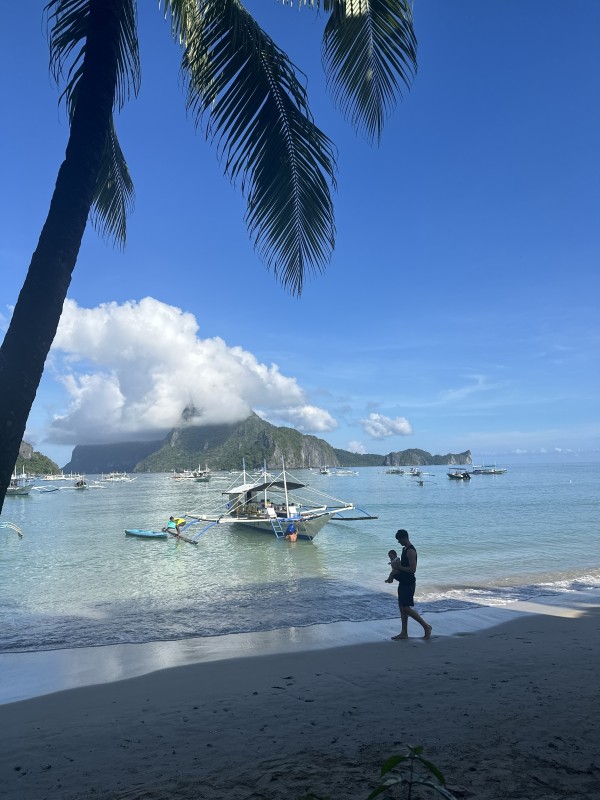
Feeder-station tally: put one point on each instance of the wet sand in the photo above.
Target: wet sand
(505, 711)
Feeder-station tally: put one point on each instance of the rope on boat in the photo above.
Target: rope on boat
(336, 517)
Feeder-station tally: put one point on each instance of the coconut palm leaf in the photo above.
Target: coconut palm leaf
(369, 53)
(255, 110)
(114, 199)
(67, 21)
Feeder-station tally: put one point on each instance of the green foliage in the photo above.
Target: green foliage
(68, 24)
(223, 447)
(414, 770)
(36, 464)
(413, 457)
(348, 459)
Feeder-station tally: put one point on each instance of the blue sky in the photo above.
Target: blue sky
(460, 309)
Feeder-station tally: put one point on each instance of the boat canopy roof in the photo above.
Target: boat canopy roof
(261, 487)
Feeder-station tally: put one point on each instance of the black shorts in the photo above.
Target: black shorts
(406, 594)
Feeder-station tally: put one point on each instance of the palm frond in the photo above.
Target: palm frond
(369, 53)
(68, 24)
(255, 110)
(114, 199)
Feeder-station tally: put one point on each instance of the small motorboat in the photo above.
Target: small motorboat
(459, 475)
(142, 534)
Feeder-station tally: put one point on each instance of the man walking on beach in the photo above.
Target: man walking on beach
(404, 572)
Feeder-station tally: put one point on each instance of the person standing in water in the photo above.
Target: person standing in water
(291, 532)
(403, 570)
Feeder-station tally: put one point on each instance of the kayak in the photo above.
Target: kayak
(146, 534)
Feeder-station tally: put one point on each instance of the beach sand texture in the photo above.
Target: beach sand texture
(508, 712)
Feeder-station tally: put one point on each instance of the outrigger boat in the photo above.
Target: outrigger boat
(270, 504)
(201, 475)
(488, 469)
(19, 485)
(116, 477)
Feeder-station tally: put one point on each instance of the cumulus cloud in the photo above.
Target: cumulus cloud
(306, 418)
(130, 370)
(380, 427)
(356, 447)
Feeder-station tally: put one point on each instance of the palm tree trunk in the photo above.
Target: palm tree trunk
(38, 309)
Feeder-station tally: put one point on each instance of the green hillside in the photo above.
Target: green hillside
(223, 447)
(34, 463)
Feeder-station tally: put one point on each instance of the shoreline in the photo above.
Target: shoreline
(505, 711)
(34, 674)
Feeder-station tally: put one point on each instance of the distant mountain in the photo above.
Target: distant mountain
(34, 463)
(347, 459)
(421, 458)
(222, 447)
(93, 459)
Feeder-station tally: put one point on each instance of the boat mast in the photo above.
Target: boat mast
(265, 479)
(287, 504)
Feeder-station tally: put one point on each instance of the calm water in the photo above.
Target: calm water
(76, 580)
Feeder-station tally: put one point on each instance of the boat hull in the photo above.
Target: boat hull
(18, 491)
(307, 528)
(142, 534)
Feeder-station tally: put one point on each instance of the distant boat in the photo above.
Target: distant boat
(80, 484)
(488, 469)
(116, 477)
(184, 474)
(395, 471)
(459, 475)
(324, 471)
(55, 476)
(142, 534)
(19, 485)
(201, 475)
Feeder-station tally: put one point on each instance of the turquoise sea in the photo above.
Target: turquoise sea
(75, 580)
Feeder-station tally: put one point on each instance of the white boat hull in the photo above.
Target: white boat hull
(17, 491)
(307, 528)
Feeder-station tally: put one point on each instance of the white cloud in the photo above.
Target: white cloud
(356, 447)
(306, 418)
(380, 427)
(131, 369)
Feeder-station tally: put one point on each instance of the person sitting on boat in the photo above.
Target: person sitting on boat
(291, 532)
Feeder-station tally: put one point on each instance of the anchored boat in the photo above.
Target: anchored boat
(459, 475)
(270, 504)
(19, 485)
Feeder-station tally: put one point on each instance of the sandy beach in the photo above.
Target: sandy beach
(507, 711)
